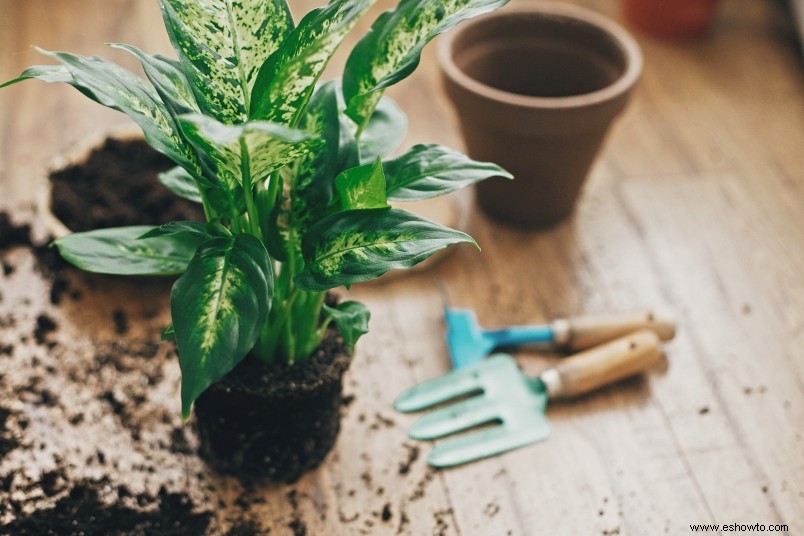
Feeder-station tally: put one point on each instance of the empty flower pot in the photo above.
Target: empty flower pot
(536, 88)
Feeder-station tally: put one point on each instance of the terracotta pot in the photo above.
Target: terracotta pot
(536, 87)
(670, 18)
(274, 423)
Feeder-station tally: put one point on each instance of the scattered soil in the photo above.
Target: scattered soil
(246, 528)
(442, 526)
(12, 234)
(117, 185)
(8, 441)
(413, 455)
(82, 509)
(44, 326)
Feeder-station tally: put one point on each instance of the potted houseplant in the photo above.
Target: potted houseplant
(294, 180)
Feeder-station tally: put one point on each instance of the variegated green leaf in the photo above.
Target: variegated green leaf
(179, 181)
(362, 187)
(392, 49)
(308, 181)
(359, 245)
(431, 170)
(123, 251)
(179, 227)
(287, 79)
(384, 132)
(312, 175)
(256, 147)
(218, 307)
(167, 78)
(222, 44)
(45, 73)
(114, 87)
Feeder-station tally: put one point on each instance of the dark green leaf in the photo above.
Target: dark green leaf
(287, 79)
(393, 47)
(359, 245)
(219, 307)
(362, 187)
(384, 131)
(180, 182)
(431, 170)
(121, 251)
(168, 334)
(217, 229)
(352, 319)
(222, 44)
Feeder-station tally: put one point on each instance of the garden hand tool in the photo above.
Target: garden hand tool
(500, 393)
(469, 343)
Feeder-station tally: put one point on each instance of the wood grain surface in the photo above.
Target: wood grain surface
(695, 206)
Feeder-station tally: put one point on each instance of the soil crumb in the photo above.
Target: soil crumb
(296, 524)
(247, 528)
(44, 326)
(413, 455)
(441, 526)
(12, 234)
(7, 440)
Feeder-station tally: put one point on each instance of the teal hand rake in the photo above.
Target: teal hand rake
(498, 392)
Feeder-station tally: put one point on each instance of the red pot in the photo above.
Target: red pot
(670, 18)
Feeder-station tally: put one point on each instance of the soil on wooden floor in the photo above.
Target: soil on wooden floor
(91, 441)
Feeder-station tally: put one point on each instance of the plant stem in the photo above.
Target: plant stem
(248, 193)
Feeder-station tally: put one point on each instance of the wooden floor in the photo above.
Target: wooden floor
(696, 205)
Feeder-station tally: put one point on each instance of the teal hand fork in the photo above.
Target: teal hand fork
(500, 393)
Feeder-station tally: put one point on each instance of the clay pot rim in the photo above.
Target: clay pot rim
(629, 46)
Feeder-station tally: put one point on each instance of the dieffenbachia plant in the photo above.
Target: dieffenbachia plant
(293, 174)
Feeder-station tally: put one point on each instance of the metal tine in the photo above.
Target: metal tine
(488, 442)
(439, 390)
(456, 418)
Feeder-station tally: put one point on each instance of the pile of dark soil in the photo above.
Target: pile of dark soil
(80, 510)
(117, 185)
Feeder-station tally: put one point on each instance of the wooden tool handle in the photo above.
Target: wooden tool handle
(602, 365)
(587, 331)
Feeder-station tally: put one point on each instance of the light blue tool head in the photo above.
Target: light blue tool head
(466, 340)
(491, 392)
(469, 343)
